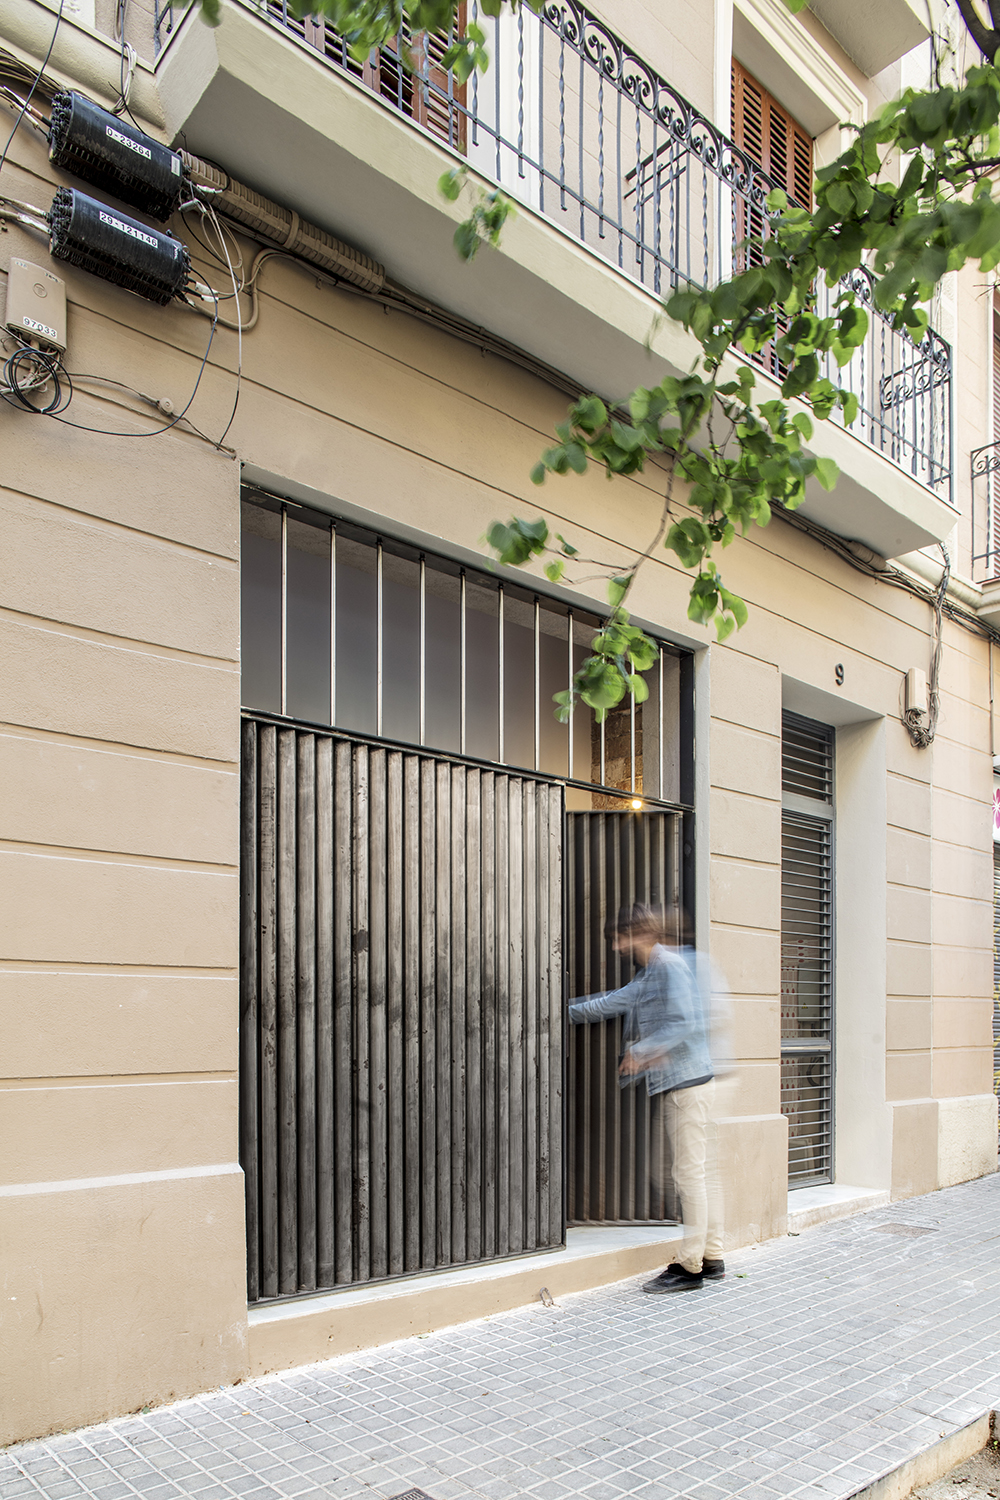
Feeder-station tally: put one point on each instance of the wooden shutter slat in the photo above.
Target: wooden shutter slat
(765, 130)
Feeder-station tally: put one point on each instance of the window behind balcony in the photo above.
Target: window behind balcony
(407, 72)
(776, 141)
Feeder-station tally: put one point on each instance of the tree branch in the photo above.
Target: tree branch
(986, 40)
(664, 518)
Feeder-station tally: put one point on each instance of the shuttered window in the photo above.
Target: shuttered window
(807, 948)
(996, 377)
(427, 93)
(767, 132)
(779, 144)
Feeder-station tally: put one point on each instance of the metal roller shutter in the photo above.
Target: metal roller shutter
(807, 949)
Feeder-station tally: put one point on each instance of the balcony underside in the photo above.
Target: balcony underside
(280, 119)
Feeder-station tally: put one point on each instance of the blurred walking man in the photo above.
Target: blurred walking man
(665, 1040)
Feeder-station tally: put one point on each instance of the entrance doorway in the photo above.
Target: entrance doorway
(409, 805)
(618, 1157)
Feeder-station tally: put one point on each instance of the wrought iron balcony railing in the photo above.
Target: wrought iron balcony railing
(570, 122)
(986, 513)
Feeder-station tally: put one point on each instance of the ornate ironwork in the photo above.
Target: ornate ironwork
(578, 127)
(985, 460)
(985, 464)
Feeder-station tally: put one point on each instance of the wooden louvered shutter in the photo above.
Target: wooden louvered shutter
(996, 378)
(428, 94)
(440, 99)
(768, 133)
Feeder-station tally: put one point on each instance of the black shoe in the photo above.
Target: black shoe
(711, 1270)
(674, 1279)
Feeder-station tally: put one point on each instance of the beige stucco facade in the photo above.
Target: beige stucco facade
(122, 1240)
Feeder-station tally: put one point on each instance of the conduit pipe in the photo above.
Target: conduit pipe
(282, 227)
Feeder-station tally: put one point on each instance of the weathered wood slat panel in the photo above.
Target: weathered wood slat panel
(474, 1040)
(249, 1007)
(490, 1010)
(361, 1080)
(394, 963)
(305, 1005)
(618, 1151)
(378, 1074)
(326, 1232)
(343, 1003)
(267, 1047)
(456, 1064)
(401, 1011)
(288, 1219)
(411, 925)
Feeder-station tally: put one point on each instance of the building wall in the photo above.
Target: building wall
(118, 986)
(121, 1205)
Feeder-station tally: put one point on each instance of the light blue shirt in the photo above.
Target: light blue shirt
(664, 1014)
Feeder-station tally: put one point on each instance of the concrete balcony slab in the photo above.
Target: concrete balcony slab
(278, 116)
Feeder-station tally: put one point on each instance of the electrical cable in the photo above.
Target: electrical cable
(42, 368)
(184, 210)
(37, 81)
(239, 325)
(157, 401)
(153, 432)
(922, 735)
(28, 112)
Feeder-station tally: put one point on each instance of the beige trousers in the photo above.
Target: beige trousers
(691, 1130)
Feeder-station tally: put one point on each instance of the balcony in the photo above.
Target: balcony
(985, 477)
(594, 145)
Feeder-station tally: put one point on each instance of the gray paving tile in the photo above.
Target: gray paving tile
(840, 1354)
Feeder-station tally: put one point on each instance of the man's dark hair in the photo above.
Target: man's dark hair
(638, 920)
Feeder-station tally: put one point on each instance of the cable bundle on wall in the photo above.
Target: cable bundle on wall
(282, 226)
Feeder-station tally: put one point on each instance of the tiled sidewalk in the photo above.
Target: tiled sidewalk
(821, 1362)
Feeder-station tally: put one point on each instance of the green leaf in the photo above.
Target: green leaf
(590, 414)
(554, 570)
(827, 473)
(466, 239)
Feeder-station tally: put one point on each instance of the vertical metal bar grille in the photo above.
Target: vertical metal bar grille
(619, 1165)
(401, 1011)
(807, 950)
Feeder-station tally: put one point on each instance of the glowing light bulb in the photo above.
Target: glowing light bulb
(636, 803)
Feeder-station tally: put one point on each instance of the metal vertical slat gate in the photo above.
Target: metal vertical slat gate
(807, 1072)
(401, 1069)
(618, 1154)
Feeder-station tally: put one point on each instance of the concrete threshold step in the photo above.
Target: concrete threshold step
(809, 1206)
(305, 1330)
(931, 1464)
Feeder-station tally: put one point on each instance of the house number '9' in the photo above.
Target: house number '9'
(838, 673)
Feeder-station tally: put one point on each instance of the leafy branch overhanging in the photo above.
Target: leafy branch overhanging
(909, 200)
